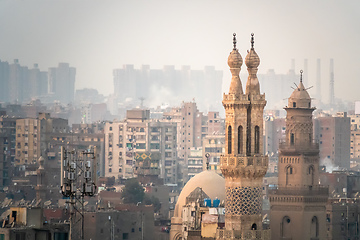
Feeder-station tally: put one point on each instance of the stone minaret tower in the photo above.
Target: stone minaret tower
(298, 204)
(41, 185)
(244, 164)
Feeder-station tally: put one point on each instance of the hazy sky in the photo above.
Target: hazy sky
(98, 36)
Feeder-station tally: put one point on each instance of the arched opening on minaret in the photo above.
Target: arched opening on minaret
(314, 229)
(289, 171)
(240, 140)
(311, 173)
(254, 227)
(257, 139)
(292, 138)
(285, 230)
(248, 133)
(229, 139)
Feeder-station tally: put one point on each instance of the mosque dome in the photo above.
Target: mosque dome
(252, 60)
(209, 181)
(235, 60)
(300, 98)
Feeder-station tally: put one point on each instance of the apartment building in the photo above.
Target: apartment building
(138, 135)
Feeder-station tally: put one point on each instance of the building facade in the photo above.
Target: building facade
(138, 134)
(333, 135)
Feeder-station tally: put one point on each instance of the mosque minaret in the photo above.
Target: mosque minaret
(243, 164)
(298, 204)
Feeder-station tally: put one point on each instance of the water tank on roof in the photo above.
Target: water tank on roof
(216, 202)
(207, 202)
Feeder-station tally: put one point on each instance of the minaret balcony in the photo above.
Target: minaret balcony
(243, 161)
(224, 234)
(311, 147)
(235, 97)
(300, 190)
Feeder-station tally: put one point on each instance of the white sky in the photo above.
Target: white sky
(98, 36)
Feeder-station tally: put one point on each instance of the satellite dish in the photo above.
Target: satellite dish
(47, 203)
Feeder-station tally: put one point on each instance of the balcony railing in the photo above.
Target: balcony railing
(249, 234)
(300, 191)
(242, 161)
(309, 146)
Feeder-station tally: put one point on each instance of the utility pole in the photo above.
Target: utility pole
(78, 179)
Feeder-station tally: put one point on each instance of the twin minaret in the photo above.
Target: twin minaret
(243, 164)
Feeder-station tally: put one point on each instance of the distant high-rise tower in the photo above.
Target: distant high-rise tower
(332, 93)
(292, 64)
(298, 204)
(318, 79)
(62, 82)
(243, 164)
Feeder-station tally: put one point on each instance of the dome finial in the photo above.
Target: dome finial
(252, 40)
(301, 72)
(234, 41)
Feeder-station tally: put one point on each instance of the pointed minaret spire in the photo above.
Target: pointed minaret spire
(252, 62)
(234, 41)
(235, 61)
(301, 72)
(252, 40)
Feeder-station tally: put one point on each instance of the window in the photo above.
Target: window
(257, 139)
(229, 140)
(292, 138)
(240, 140)
(314, 230)
(294, 104)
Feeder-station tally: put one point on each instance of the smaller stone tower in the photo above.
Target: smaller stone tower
(298, 204)
(41, 186)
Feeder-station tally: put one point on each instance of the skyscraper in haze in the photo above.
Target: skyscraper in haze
(168, 84)
(62, 82)
(318, 79)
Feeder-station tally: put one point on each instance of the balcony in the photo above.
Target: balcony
(249, 234)
(300, 191)
(286, 147)
(241, 161)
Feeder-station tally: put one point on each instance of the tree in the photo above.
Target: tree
(152, 200)
(133, 192)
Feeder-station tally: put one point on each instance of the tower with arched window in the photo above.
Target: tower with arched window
(243, 164)
(298, 203)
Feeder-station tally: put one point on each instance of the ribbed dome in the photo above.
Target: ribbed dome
(209, 181)
(252, 60)
(235, 60)
(300, 98)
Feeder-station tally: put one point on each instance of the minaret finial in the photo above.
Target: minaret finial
(301, 72)
(252, 40)
(234, 41)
